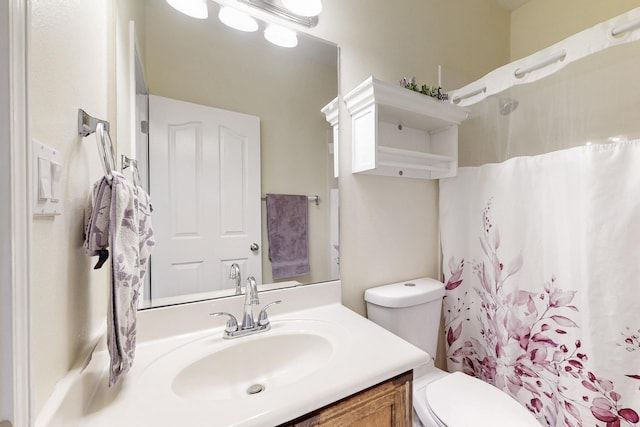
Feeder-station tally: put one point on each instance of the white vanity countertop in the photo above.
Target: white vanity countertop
(368, 355)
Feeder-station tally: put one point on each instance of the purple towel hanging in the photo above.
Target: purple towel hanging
(287, 231)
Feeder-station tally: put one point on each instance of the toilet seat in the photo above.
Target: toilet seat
(459, 400)
(422, 414)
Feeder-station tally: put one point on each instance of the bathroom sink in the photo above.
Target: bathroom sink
(251, 367)
(309, 359)
(214, 369)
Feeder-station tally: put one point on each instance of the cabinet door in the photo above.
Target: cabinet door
(385, 405)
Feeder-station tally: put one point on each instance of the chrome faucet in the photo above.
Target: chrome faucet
(249, 325)
(234, 273)
(250, 298)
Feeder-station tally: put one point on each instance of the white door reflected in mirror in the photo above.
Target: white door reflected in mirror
(205, 188)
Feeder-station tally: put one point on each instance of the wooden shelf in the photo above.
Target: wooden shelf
(398, 132)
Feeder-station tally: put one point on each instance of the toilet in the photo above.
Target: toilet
(412, 311)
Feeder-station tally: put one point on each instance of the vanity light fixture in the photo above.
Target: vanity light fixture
(281, 36)
(277, 8)
(237, 19)
(193, 8)
(304, 7)
(616, 138)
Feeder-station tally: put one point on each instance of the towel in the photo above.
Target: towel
(96, 220)
(119, 217)
(288, 235)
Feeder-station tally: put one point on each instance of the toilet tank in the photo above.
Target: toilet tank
(409, 309)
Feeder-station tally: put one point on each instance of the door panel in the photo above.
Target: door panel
(205, 188)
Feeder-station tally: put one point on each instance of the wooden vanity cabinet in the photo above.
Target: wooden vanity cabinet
(388, 404)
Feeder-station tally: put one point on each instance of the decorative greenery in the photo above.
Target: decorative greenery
(432, 91)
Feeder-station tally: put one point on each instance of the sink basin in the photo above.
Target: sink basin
(251, 367)
(210, 368)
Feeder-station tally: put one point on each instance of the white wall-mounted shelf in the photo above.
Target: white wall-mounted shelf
(398, 132)
(331, 112)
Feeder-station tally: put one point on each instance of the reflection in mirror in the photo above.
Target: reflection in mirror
(232, 118)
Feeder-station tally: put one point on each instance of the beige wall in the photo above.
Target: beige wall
(207, 63)
(67, 70)
(541, 23)
(389, 226)
(6, 324)
(71, 59)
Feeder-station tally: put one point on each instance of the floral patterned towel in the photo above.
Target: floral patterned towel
(119, 217)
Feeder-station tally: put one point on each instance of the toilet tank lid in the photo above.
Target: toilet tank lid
(405, 294)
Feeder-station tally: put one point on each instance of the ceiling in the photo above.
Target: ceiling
(512, 4)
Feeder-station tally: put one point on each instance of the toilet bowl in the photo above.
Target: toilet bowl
(441, 399)
(412, 310)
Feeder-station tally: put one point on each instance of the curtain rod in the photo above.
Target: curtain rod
(521, 72)
(630, 26)
(616, 31)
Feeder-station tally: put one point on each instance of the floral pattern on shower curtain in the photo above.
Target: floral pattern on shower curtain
(542, 273)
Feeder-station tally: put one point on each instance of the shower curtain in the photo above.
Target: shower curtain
(542, 269)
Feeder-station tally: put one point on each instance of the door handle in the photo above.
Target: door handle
(254, 247)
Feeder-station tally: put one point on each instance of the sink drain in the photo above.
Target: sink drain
(255, 389)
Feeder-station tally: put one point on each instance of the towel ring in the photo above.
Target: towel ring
(105, 147)
(133, 164)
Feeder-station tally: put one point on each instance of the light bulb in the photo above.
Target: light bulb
(304, 7)
(237, 19)
(281, 36)
(193, 8)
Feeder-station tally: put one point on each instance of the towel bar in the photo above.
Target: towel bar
(315, 198)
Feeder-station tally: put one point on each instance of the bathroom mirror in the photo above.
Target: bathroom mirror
(206, 63)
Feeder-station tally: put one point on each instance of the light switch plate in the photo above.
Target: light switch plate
(47, 180)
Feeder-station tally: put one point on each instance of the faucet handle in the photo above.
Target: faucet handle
(232, 323)
(263, 320)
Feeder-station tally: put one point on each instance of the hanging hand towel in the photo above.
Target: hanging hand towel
(123, 213)
(288, 235)
(96, 219)
(146, 241)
